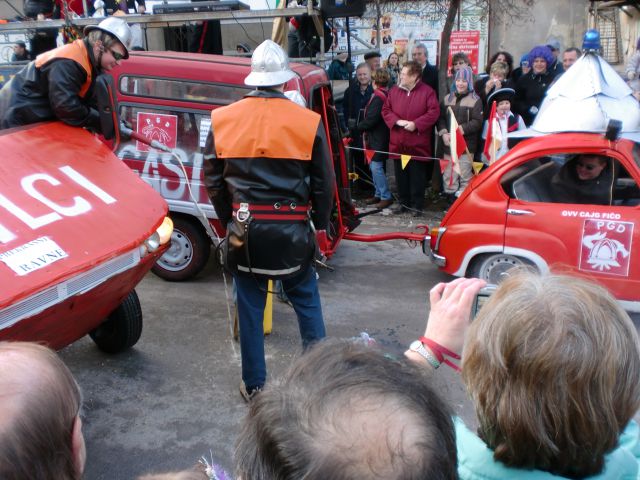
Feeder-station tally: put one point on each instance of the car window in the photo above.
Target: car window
(572, 178)
(184, 131)
(182, 90)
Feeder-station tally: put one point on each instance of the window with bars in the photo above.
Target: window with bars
(607, 21)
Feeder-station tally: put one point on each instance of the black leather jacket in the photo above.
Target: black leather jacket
(49, 92)
(277, 248)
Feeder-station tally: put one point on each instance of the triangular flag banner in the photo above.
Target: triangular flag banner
(404, 160)
(443, 165)
(477, 166)
(368, 154)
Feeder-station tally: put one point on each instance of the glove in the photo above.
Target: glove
(533, 110)
(324, 245)
(125, 130)
(631, 75)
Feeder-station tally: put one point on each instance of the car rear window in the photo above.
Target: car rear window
(181, 90)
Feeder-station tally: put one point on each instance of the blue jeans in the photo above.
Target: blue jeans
(302, 291)
(380, 181)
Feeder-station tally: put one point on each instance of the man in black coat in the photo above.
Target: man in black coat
(429, 72)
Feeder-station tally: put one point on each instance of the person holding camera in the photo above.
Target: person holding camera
(551, 363)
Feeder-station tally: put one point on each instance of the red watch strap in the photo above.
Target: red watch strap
(440, 352)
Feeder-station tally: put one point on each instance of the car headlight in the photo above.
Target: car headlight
(160, 237)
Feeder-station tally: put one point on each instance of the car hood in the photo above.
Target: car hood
(67, 204)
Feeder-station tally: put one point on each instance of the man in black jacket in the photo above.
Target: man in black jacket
(429, 72)
(269, 176)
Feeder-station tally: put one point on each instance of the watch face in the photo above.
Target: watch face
(416, 345)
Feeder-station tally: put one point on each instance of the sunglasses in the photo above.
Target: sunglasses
(117, 55)
(587, 166)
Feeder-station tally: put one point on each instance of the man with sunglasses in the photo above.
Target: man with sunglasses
(59, 83)
(585, 179)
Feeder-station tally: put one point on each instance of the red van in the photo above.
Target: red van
(168, 97)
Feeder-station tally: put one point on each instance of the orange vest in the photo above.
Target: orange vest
(257, 127)
(76, 51)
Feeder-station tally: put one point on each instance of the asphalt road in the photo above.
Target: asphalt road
(174, 396)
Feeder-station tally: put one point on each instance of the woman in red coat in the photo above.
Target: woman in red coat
(410, 112)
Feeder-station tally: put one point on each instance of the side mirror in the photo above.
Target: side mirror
(107, 105)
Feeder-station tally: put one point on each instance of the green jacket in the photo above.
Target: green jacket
(475, 459)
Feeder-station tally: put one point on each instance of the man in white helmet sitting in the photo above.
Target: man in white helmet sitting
(269, 175)
(60, 83)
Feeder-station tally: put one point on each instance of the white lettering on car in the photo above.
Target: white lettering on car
(584, 214)
(80, 204)
(164, 174)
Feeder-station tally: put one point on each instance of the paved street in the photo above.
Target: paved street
(174, 396)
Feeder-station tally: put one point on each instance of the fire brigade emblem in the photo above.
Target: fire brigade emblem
(159, 127)
(606, 247)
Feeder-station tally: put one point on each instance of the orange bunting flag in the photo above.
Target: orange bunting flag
(404, 160)
(368, 154)
(493, 142)
(457, 143)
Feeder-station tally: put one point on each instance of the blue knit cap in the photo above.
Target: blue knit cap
(466, 74)
(541, 51)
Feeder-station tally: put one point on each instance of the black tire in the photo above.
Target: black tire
(188, 253)
(122, 328)
(494, 267)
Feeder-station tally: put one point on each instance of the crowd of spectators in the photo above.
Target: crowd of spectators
(520, 88)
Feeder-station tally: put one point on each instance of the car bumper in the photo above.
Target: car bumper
(439, 260)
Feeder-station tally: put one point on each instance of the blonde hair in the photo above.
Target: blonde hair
(552, 364)
(499, 68)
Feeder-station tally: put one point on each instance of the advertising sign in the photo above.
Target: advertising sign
(466, 42)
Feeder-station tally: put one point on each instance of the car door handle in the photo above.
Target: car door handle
(515, 211)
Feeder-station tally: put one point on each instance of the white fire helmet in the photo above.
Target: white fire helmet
(269, 66)
(116, 27)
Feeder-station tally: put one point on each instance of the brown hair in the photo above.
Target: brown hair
(413, 68)
(347, 412)
(39, 403)
(381, 77)
(552, 364)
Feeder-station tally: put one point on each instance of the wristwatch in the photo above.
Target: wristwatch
(418, 347)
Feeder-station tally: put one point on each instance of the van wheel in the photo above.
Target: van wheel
(188, 253)
(494, 268)
(122, 328)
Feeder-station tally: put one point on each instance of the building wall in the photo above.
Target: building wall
(630, 31)
(565, 21)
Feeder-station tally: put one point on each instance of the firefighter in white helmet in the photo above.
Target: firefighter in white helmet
(59, 83)
(269, 176)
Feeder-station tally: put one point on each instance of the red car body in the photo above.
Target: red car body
(73, 225)
(489, 229)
